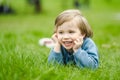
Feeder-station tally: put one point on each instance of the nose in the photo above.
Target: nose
(66, 36)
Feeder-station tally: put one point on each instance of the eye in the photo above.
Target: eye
(71, 31)
(60, 32)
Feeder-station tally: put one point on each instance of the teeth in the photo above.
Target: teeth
(67, 42)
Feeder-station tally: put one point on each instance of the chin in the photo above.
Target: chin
(68, 48)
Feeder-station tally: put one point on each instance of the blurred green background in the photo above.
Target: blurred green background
(22, 58)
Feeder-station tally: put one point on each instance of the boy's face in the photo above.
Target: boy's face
(67, 33)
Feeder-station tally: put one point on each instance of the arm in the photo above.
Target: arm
(87, 56)
(55, 55)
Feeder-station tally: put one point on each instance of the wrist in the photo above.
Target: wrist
(75, 50)
(57, 47)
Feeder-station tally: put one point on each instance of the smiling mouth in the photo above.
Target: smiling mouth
(68, 43)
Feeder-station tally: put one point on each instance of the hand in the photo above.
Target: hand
(54, 38)
(57, 44)
(78, 43)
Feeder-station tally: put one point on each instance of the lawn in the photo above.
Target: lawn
(22, 58)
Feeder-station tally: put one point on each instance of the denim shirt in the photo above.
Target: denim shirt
(85, 56)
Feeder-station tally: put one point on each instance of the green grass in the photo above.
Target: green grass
(21, 57)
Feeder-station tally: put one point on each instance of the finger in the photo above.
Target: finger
(79, 41)
(75, 42)
(81, 38)
(55, 38)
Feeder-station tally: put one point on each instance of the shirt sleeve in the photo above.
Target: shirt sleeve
(87, 57)
(55, 57)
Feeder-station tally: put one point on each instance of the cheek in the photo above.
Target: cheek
(76, 36)
(59, 37)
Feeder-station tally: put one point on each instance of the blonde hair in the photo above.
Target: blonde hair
(74, 14)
